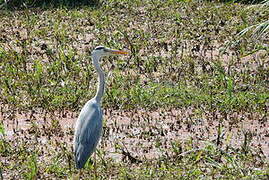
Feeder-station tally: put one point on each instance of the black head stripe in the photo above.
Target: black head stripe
(99, 48)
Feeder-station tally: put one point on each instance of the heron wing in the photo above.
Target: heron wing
(88, 132)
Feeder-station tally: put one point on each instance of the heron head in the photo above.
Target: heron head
(104, 51)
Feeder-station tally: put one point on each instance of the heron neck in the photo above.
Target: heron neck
(101, 80)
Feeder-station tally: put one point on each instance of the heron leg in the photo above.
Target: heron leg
(75, 176)
(95, 165)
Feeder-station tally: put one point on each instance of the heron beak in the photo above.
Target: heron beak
(118, 52)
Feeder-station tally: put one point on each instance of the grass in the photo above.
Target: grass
(180, 75)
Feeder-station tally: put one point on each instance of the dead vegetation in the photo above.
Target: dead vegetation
(191, 100)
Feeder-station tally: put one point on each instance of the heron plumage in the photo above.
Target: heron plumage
(88, 132)
(89, 127)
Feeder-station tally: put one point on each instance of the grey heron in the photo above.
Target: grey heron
(88, 128)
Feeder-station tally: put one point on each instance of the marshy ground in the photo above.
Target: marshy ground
(190, 101)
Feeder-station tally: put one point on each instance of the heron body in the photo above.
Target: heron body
(87, 138)
(89, 125)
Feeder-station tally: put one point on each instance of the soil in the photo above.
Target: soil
(148, 134)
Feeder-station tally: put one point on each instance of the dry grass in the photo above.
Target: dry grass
(182, 89)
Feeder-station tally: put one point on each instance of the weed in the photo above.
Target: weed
(182, 105)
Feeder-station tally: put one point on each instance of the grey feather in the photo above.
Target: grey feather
(89, 127)
(88, 132)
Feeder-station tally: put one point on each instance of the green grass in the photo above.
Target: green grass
(179, 59)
